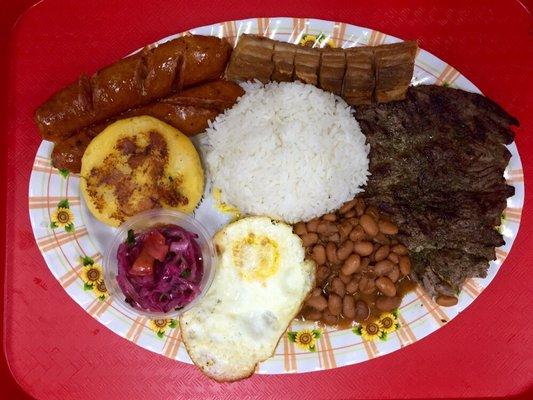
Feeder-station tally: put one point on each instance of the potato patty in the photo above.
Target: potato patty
(137, 164)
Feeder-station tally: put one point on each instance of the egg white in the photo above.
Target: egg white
(249, 304)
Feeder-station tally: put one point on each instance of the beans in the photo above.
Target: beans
(385, 303)
(352, 286)
(446, 301)
(329, 217)
(362, 311)
(351, 264)
(348, 307)
(363, 248)
(329, 318)
(405, 265)
(394, 258)
(319, 254)
(394, 275)
(347, 206)
(382, 253)
(359, 263)
(357, 234)
(373, 212)
(312, 225)
(335, 304)
(383, 267)
(369, 225)
(300, 229)
(309, 239)
(381, 239)
(337, 286)
(344, 250)
(399, 249)
(387, 227)
(386, 286)
(331, 252)
(326, 227)
(367, 285)
(345, 278)
(345, 229)
(322, 273)
(313, 315)
(360, 207)
(317, 302)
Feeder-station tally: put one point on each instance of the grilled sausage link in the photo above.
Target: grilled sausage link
(188, 111)
(139, 79)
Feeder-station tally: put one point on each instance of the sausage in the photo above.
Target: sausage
(189, 112)
(133, 81)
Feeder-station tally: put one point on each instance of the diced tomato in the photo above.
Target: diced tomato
(154, 244)
(143, 265)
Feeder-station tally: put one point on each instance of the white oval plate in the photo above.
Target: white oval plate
(418, 315)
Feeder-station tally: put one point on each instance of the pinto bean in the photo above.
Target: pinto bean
(347, 206)
(446, 301)
(382, 253)
(394, 258)
(344, 250)
(334, 238)
(383, 267)
(319, 254)
(329, 217)
(351, 264)
(352, 286)
(353, 221)
(300, 229)
(357, 234)
(369, 225)
(348, 307)
(384, 303)
(373, 212)
(309, 239)
(399, 249)
(387, 227)
(329, 318)
(394, 275)
(337, 286)
(345, 229)
(350, 214)
(317, 302)
(360, 207)
(363, 248)
(367, 285)
(331, 252)
(386, 286)
(312, 225)
(365, 262)
(362, 311)
(335, 304)
(322, 273)
(326, 228)
(405, 265)
(312, 315)
(381, 238)
(345, 278)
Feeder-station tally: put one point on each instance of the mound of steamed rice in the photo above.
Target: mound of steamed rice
(289, 151)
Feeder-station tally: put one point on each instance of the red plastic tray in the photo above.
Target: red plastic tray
(55, 350)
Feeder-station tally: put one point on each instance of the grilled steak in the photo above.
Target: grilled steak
(437, 160)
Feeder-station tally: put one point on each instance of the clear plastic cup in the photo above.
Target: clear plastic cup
(144, 221)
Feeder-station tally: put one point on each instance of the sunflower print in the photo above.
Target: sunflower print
(378, 327)
(160, 326)
(305, 339)
(389, 322)
(63, 217)
(319, 40)
(92, 275)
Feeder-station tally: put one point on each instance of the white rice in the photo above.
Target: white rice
(286, 150)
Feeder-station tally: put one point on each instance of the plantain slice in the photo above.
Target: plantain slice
(137, 164)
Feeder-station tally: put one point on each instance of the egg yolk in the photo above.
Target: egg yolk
(256, 257)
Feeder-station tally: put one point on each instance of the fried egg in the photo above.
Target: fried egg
(260, 283)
